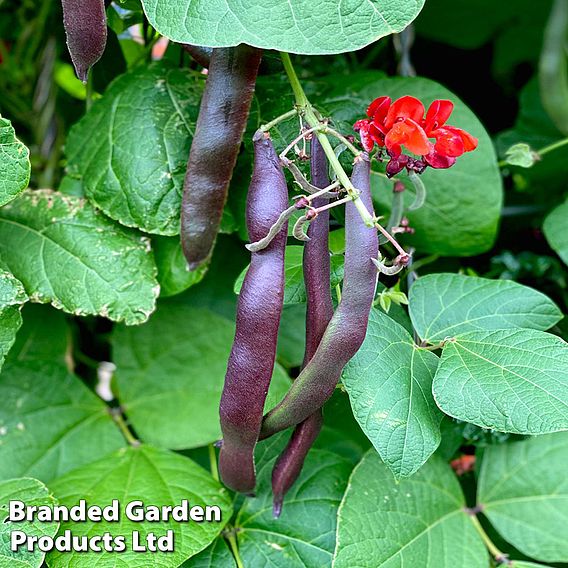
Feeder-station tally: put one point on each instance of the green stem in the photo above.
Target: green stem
(351, 147)
(89, 98)
(553, 146)
(266, 127)
(230, 536)
(490, 545)
(123, 427)
(213, 462)
(304, 106)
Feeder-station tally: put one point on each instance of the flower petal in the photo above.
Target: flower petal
(436, 161)
(448, 143)
(405, 107)
(438, 112)
(411, 135)
(363, 127)
(378, 108)
(469, 141)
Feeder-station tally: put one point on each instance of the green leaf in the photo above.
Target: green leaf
(389, 382)
(14, 163)
(508, 380)
(217, 555)
(77, 259)
(12, 291)
(44, 335)
(295, 290)
(286, 26)
(516, 564)
(304, 535)
(131, 148)
(50, 422)
(10, 322)
(415, 522)
(524, 492)
(463, 203)
(31, 492)
(521, 155)
(174, 275)
(170, 389)
(446, 305)
(159, 478)
(12, 295)
(556, 232)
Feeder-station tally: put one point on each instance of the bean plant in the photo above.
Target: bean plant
(304, 263)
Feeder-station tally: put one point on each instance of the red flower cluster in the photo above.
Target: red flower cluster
(402, 123)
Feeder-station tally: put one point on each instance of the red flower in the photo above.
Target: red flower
(402, 123)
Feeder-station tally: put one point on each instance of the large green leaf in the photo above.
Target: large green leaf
(217, 555)
(463, 203)
(445, 305)
(51, 422)
(296, 26)
(12, 295)
(508, 380)
(304, 535)
(131, 148)
(68, 254)
(556, 230)
(31, 492)
(415, 522)
(14, 163)
(389, 382)
(155, 476)
(44, 336)
(523, 489)
(171, 388)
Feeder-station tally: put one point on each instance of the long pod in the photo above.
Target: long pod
(222, 120)
(258, 317)
(319, 311)
(346, 330)
(86, 31)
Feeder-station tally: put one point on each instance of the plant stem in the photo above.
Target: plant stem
(123, 427)
(390, 238)
(266, 127)
(213, 462)
(351, 147)
(298, 138)
(304, 106)
(552, 147)
(230, 536)
(493, 550)
(90, 91)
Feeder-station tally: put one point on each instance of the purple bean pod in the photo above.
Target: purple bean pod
(319, 311)
(346, 330)
(251, 362)
(86, 31)
(216, 143)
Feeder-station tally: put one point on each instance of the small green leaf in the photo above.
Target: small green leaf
(521, 155)
(415, 522)
(50, 422)
(389, 382)
(131, 148)
(158, 477)
(31, 492)
(508, 380)
(14, 163)
(77, 259)
(171, 388)
(304, 535)
(446, 305)
(556, 232)
(174, 275)
(523, 489)
(295, 290)
(285, 26)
